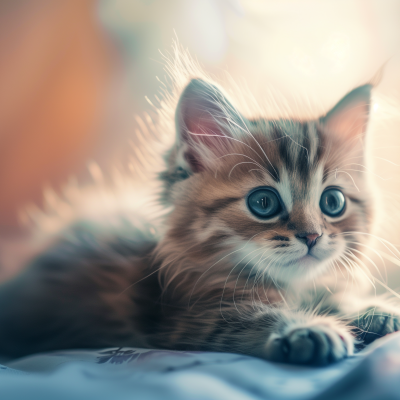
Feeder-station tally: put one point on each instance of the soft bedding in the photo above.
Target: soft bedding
(129, 373)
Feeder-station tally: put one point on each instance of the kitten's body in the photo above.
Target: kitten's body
(221, 278)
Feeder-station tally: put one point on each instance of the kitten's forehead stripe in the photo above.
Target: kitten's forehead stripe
(272, 164)
(295, 145)
(274, 171)
(304, 153)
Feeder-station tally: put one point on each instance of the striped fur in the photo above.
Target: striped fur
(220, 278)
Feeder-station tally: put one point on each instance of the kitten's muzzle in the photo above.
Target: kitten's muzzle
(310, 239)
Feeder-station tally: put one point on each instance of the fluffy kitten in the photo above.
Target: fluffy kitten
(265, 214)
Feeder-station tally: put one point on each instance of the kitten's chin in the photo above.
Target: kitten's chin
(308, 261)
(303, 269)
(303, 263)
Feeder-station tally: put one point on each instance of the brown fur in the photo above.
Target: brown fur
(220, 278)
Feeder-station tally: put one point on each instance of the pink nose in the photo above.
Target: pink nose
(309, 238)
(313, 237)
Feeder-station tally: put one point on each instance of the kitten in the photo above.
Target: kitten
(266, 216)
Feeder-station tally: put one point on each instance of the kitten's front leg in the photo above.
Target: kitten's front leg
(317, 341)
(274, 334)
(376, 321)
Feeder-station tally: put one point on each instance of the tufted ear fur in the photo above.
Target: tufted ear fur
(349, 118)
(206, 122)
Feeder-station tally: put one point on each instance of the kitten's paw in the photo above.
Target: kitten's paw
(375, 323)
(312, 345)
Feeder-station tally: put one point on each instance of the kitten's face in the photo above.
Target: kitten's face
(282, 198)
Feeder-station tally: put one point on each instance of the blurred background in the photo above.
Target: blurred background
(75, 73)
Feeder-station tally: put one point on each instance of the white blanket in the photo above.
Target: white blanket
(115, 374)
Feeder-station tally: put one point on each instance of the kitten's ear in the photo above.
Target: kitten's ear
(205, 121)
(349, 118)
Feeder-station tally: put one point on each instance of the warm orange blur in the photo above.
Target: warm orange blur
(55, 66)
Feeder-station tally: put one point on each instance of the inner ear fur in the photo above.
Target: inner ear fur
(348, 119)
(205, 121)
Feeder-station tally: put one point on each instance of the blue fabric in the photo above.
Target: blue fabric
(168, 375)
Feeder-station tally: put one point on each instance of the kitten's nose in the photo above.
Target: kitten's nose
(310, 238)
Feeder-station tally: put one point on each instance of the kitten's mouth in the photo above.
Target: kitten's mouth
(308, 260)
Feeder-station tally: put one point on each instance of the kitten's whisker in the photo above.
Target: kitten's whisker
(334, 267)
(239, 163)
(230, 272)
(389, 246)
(222, 258)
(354, 183)
(365, 172)
(348, 264)
(356, 262)
(258, 144)
(237, 279)
(250, 158)
(365, 271)
(259, 273)
(385, 287)
(225, 256)
(368, 258)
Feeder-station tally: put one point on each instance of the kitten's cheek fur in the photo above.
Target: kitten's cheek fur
(326, 252)
(318, 343)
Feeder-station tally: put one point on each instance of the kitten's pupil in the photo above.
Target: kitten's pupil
(264, 203)
(332, 203)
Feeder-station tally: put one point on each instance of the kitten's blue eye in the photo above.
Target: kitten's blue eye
(264, 203)
(332, 202)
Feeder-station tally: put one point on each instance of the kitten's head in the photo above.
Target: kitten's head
(286, 198)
